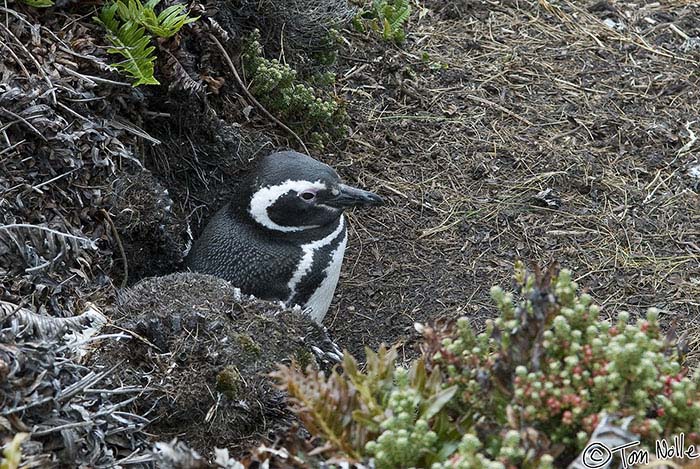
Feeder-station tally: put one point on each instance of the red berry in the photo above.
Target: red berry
(567, 418)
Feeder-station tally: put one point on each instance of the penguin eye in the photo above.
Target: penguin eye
(308, 195)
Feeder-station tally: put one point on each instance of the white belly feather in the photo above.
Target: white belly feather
(320, 300)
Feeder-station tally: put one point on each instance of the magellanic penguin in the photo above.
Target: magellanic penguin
(282, 237)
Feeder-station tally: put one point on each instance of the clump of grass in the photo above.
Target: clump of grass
(278, 88)
(527, 392)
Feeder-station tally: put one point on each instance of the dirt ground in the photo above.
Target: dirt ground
(549, 132)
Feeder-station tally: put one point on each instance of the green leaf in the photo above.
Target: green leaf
(128, 24)
(447, 450)
(387, 31)
(169, 21)
(438, 401)
(38, 3)
(131, 42)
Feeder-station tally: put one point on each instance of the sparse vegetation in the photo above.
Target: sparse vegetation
(131, 26)
(526, 392)
(228, 382)
(276, 86)
(12, 452)
(387, 16)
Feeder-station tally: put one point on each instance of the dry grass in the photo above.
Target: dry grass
(491, 103)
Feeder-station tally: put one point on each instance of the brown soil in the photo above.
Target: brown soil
(499, 131)
(487, 105)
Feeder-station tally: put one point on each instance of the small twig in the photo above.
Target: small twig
(411, 199)
(38, 66)
(66, 426)
(93, 338)
(14, 56)
(134, 335)
(677, 30)
(26, 406)
(119, 245)
(122, 125)
(25, 122)
(499, 107)
(89, 78)
(87, 381)
(11, 147)
(89, 242)
(250, 96)
(60, 176)
(70, 111)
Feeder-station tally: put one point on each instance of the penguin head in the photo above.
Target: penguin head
(292, 192)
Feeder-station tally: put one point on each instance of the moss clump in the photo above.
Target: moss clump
(248, 344)
(228, 382)
(304, 358)
(276, 86)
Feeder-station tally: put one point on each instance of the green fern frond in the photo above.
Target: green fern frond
(129, 23)
(129, 10)
(131, 41)
(402, 11)
(133, 44)
(168, 22)
(388, 16)
(107, 17)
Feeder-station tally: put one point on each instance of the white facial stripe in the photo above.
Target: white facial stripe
(265, 197)
(307, 261)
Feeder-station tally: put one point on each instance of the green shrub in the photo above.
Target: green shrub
(387, 16)
(277, 88)
(326, 53)
(131, 26)
(527, 392)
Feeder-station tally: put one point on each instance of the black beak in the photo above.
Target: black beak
(353, 197)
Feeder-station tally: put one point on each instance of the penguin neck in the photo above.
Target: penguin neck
(239, 212)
